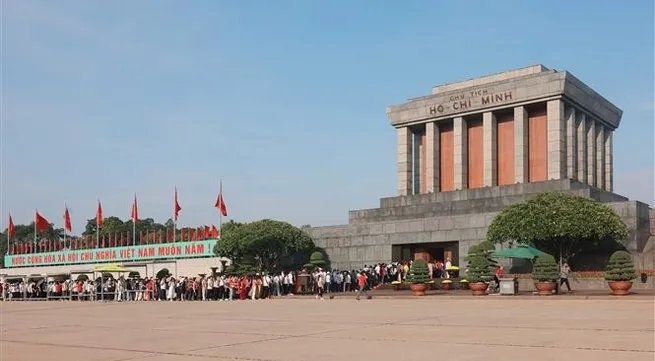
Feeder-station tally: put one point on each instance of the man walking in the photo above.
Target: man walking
(564, 276)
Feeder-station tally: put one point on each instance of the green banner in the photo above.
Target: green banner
(146, 252)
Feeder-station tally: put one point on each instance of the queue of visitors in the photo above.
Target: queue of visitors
(216, 287)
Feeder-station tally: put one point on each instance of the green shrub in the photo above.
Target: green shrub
(487, 247)
(163, 273)
(317, 259)
(620, 267)
(545, 269)
(418, 273)
(480, 268)
(475, 249)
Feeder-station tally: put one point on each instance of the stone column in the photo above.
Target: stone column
(433, 157)
(490, 144)
(460, 163)
(609, 161)
(571, 144)
(416, 163)
(591, 151)
(600, 156)
(582, 146)
(556, 140)
(521, 151)
(404, 161)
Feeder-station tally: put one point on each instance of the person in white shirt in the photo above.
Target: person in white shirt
(203, 286)
(266, 283)
(276, 285)
(346, 282)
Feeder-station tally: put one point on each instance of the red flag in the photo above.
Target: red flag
(200, 233)
(207, 232)
(42, 224)
(11, 230)
(168, 235)
(99, 218)
(141, 237)
(135, 211)
(68, 227)
(220, 203)
(161, 236)
(177, 207)
(214, 232)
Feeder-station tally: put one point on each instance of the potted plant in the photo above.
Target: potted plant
(464, 284)
(396, 285)
(418, 277)
(480, 271)
(545, 274)
(453, 271)
(445, 284)
(620, 273)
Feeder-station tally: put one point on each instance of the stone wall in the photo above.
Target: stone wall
(461, 216)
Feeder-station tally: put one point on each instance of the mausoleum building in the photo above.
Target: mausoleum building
(470, 148)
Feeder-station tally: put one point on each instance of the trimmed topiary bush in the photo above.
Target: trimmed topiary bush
(545, 269)
(480, 268)
(620, 267)
(487, 247)
(317, 259)
(418, 273)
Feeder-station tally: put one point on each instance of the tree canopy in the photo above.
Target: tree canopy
(557, 222)
(265, 244)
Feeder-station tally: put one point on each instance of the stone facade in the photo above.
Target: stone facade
(460, 216)
(576, 142)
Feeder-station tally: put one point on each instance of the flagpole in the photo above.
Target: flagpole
(37, 212)
(98, 225)
(220, 211)
(8, 233)
(134, 222)
(66, 209)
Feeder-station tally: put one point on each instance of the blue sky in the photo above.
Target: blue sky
(284, 101)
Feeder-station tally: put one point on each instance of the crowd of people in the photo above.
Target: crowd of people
(218, 287)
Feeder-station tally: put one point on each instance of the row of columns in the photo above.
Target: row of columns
(578, 147)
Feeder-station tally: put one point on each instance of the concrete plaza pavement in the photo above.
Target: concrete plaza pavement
(459, 328)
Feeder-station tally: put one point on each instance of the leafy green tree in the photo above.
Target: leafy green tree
(265, 243)
(558, 224)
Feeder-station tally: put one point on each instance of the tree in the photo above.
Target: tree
(114, 225)
(558, 224)
(265, 243)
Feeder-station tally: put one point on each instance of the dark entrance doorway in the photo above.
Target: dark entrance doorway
(430, 252)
